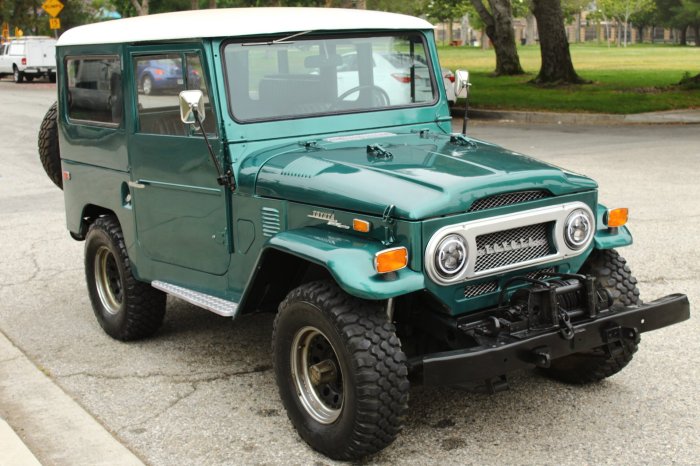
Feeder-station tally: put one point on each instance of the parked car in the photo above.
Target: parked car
(29, 57)
(312, 172)
(397, 75)
(449, 79)
(163, 74)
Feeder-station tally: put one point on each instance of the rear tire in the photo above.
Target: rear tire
(49, 152)
(340, 371)
(126, 308)
(614, 277)
(29, 78)
(52, 77)
(17, 75)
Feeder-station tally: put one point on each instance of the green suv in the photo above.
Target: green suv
(302, 162)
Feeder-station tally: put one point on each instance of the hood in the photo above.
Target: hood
(422, 174)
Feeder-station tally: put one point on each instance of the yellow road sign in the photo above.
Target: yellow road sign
(52, 7)
(54, 23)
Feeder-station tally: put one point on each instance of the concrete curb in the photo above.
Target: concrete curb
(684, 117)
(54, 428)
(14, 451)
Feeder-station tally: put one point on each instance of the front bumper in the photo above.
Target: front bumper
(485, 362)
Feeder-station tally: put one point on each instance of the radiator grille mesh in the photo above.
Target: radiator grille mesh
(500, 200)
(513, 246)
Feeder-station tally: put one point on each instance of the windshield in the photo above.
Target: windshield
(311, 76)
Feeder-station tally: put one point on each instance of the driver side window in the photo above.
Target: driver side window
(159, 79)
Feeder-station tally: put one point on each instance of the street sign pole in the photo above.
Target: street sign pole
(53, 8)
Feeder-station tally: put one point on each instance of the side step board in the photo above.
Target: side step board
(210, 303)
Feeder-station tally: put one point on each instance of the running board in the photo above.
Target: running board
(210, 303)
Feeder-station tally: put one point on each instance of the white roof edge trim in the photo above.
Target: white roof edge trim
(235, 22)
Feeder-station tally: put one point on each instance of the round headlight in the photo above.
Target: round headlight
(450, 255)
(578, 229)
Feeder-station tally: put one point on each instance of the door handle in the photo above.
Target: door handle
(136, 185)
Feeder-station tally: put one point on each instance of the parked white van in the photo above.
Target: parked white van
(28, 58)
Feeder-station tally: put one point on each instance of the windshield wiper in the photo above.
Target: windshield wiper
(284, 40)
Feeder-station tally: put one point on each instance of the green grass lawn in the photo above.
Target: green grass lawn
(639, 78)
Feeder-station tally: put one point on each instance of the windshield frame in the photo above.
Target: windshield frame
(265, 40)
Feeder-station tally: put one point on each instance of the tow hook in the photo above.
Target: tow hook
(565, 328)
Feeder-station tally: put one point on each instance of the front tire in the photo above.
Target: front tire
(615, 279)
(340, 370)
(126, 308)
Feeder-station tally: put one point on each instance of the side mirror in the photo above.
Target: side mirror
(462, 83)
(191, 101)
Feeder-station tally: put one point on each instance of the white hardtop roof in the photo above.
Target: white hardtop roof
(234, 22)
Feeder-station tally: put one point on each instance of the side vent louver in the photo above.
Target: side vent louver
(270, 221)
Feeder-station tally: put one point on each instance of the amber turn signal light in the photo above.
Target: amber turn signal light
(616, 217)
(391, 260)
(362, 226)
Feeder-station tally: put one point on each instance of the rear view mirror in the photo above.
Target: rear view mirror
(191, 102)
(462, 83)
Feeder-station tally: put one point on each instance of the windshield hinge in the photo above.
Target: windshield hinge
(310, 145)
(377, 152)
(459, 139)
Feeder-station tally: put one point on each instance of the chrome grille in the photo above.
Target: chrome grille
(511, 246)
(471, 291)
(500, 200)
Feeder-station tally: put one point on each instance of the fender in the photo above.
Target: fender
(609, 238)
(350, 260)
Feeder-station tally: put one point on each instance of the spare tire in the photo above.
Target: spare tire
(48, 146)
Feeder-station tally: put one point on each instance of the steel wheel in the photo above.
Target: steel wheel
(108, 280)
(340, 370)
(126, 308)
(317, 375)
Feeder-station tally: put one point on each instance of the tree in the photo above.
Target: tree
(445, 11)
(557, 67)
(498, 21)
(647, 18)
(681, 15)
(140, 7)
(622, 10)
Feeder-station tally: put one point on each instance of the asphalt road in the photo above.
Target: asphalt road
(202, 391)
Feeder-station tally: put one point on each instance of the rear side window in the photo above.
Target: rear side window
(95, 89)
(16, 49)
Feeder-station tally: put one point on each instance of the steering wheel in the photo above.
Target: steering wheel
(379, 96)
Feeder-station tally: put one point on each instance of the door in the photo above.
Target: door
(180, 210)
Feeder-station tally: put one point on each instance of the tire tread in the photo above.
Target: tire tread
(614, 275)
(49, 152)
(382, 375)
(144, 305)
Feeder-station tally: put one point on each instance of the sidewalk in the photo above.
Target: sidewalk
(682, 117)
(54, 428)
